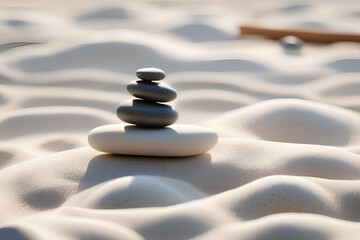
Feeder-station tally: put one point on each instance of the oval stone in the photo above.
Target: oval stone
(152, 91)
(150, 74)
(178, 140)
(291, 42)
(146, 113)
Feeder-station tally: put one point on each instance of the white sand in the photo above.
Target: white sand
(287, 163)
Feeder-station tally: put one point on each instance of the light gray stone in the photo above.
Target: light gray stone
(291, 42)
(146, 113)
(178, 140)
(150, 74)
(152, 91)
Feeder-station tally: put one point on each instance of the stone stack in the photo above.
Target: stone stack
(149, 131)
(148, 110)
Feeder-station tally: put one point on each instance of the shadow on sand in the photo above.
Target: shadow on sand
(106, 167)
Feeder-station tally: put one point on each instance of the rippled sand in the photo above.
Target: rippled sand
(287, 163)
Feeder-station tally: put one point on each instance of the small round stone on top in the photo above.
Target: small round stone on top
(150, 74)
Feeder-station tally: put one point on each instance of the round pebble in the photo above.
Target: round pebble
(146, 113)
(150, 74)
(291, 42)
(178, 140)
(152, 91)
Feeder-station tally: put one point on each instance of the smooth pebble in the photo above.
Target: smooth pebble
(146, 113)
(152, 91)
(291, 42)
(178, 140)
(150, 74)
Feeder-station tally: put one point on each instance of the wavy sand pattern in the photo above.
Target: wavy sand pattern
(287, 164)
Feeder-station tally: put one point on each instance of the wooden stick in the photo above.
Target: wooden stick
(305, 35)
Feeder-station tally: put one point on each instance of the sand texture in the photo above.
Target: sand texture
(287, 161)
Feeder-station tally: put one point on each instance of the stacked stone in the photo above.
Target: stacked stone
(148, 108)
(149, 136)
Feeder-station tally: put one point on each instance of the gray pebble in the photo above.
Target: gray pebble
(146, 113)
(291, 42)
(150, 74)
(152, 91)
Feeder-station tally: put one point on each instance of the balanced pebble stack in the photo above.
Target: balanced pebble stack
(147, 110)
(149, 130)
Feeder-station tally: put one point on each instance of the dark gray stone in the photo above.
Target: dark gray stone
(152, 91)
(13, 233)
(150, 74)
(291, 42)
(146, 113)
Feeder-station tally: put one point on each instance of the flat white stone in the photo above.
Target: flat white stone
(178, 140)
